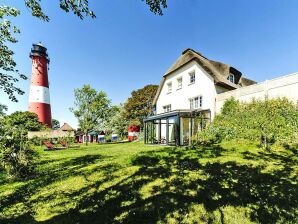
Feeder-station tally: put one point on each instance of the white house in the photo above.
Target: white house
(195, 88)
(186, 98)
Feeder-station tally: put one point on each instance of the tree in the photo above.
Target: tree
(139, 105)
(116, 122)
(55, 124)
(90, 108)
(27, 121)
(15, 154)
(106, 124)
(9, 74)
(3, 108)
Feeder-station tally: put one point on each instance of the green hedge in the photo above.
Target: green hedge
(270, 121)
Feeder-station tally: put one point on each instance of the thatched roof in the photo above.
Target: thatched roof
(219, 71)
(66, 127)
(247, 82)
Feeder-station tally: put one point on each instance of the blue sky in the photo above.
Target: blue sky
(127, 47)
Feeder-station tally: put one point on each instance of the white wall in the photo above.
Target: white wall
(214, 96)
(179, 99)
(285, 86)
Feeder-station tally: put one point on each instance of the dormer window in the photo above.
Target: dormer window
(169, 87)
(231, 78)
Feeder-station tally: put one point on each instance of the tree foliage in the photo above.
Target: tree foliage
(139, 104)
(9, 74)
(15, 153)
(91, 107)
(78, 7)
(265, 121)
(116, 122)
(55, 124)
(27, 121)
(3, 108)
(106, 124)
(156, 6)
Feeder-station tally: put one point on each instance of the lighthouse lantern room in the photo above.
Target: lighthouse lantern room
(39, 96)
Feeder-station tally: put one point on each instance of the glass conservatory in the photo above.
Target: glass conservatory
(175, 127)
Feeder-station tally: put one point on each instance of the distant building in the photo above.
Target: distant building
(66, 127)
(92, 136)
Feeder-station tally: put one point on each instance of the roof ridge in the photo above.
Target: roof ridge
(218, 70)
(194, 51)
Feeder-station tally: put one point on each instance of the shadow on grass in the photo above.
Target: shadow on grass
(272, 197)
(63, 170)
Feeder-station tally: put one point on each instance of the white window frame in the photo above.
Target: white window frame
(167, 108)
(191, 103)
(179, 83)
(192, 77)
(170, 87)
(231, 78)
(196, 102)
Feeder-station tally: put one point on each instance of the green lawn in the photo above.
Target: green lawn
(133, 183)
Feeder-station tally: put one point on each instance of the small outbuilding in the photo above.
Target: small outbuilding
(66, 127)
(92, 136)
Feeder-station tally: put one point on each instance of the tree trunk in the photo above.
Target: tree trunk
(87, 138)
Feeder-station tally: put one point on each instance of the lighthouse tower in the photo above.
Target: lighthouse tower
(39, 96)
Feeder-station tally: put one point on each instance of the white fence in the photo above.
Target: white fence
(285, 86)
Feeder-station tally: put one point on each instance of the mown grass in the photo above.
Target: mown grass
(234, 182)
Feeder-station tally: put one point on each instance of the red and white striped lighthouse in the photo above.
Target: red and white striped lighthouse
(39, 96)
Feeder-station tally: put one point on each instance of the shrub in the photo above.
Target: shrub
(16, 157)
(108, 138)
(269, 121)
(18, 162)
